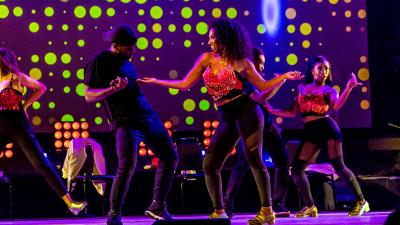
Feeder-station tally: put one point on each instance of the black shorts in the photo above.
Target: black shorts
(321, 130)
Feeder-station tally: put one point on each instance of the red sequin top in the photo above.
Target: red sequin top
(313, 105)
(10, 98)
(221, 84)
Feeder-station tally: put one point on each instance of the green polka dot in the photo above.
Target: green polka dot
(141, 2)
(141, 27)
(36, 105)
(80, 27)
(231, 13)
(80, 74)
(66, 74)
(52, 105)
(66, 58)
(142, 43)
(157, 28)
(291, 59)
(67, 90)
(4, 11)
(80, 89)
(173, 91)
(172, 28)
(110, 12)
(156, 12)
(261, 28)
(204, 105)
(142, 58)
(65, 27)
(80, 12)
(202, 28)
(67, 118)
(140, 12)
(189, 120)
(291, 29)
(50, 58)
(187, 43)
(95, 12)
(98, 105)
(81, 43)
(277, 59)
(187, 28)
(125, 1)
(305, 29)
(202, 12)
(49, 27)
(34, 27)
(189, 105)
(98, 120)
(17, 11)
(203, 90)
(157, 43)
(186, 12)
(49, 11)
(216, 13)
(35, 58)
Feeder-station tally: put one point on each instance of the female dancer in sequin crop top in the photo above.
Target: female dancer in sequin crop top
(222, 71)
(14, 123)
(316, 97)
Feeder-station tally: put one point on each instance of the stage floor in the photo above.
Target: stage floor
(371, 218)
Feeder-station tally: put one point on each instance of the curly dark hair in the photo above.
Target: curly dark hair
(8, 61)
(233, 39)
(311, 63)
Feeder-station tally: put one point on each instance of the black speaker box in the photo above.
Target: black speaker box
(194, 222)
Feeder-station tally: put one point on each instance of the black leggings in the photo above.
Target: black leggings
(241, 118)
(14, 125)
(329, 136)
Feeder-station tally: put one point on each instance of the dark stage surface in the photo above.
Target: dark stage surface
(371, 218)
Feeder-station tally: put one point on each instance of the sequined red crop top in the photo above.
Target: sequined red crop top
(223, 85)
(10, 99)
(313, 105)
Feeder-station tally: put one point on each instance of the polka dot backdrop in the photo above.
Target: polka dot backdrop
(55, 39)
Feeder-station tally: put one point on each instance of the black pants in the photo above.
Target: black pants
(241, 118)
(152, 131)
(15, 126)
(275, 145)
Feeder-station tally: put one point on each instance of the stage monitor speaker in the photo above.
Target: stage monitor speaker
(194, 222)
(190, 155)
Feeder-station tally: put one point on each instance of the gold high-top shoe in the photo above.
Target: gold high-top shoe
(262, 218)
(311, 211)
(359, 208)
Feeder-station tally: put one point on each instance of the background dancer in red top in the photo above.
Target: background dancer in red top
(14, 124)
(223, 71)
(316, 98)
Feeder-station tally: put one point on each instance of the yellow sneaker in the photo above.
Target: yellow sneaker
(311, 211)
(359, 208)
(262, 218)
(215, 215)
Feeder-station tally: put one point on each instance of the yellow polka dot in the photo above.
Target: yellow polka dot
(319, 29)
(363, 59)
(363, 74)
(364, 104)
(362, 14)
(348, 29)
(347, 1)
(333, 2)
(279, 120)
(305, 29)
(333, 13)
(306, 44)
(290, 13)
(35, 73)
(36, 120)
(347, 13)
(364, 89)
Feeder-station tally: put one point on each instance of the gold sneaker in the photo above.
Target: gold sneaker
(77, 207)
(311, 211)
(359, 208)
(215, 215)
(262, 218)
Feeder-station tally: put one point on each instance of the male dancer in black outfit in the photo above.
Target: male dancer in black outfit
(111, 78)
(273, 142)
